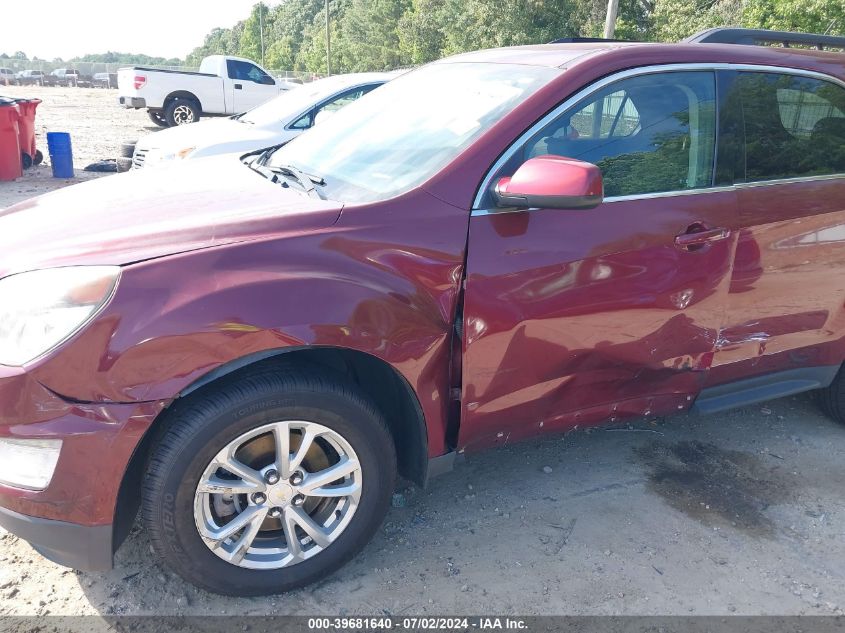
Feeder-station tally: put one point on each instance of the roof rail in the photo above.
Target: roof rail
(762, 37)
(582, 40)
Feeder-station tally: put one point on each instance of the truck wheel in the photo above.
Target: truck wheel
(181, 112)
(123, 164)
(832, 398)
(268, 483)
(157, 117)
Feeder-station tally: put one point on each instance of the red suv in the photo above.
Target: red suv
(497, 245)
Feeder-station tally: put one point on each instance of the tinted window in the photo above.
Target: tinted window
(648, 134)
(244, 71)
(794, 126)
(332, 105)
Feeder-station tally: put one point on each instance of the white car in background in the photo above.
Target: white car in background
(272, 123)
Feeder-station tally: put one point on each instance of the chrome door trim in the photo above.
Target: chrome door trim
(635, 72)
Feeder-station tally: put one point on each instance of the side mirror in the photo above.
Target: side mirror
(552, 182)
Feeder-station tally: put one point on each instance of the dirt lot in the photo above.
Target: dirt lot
(730, 514)
(97, 126)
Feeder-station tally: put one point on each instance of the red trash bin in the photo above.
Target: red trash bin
(10, 145)
(29, 154)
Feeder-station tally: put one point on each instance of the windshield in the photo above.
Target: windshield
(296, 101)
(403, 133)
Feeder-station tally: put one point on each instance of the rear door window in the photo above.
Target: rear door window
(794, 126)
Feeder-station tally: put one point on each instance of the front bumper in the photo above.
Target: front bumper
(133, 102)
(71, 520)
(87, 548)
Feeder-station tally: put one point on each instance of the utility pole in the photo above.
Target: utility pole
(610, 22)
(328, 43)
(261, 27)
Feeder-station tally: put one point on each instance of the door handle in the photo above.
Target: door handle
(239, 86)
(698, 236)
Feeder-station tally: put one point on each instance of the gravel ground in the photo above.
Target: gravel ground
(738, 513)
(97, 126)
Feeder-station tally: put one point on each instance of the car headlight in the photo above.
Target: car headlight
(41, 309)
(28, 463)
(160, 156)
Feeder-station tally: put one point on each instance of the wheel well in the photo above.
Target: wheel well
(181, 94)
(381, 382)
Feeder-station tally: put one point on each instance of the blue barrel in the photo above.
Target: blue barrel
(61, 154)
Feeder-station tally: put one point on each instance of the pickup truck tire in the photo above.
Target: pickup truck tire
(157, 117)
(181, 112)
(221, 504)
(832, 398)
(123, 164)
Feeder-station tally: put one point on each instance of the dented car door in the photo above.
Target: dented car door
(576, 316)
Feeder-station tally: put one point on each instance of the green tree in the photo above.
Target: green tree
(421, 31)
(811, 16)
(286, 34)
(673, 20)
(369, 35)
(250, 40)
(312, 54)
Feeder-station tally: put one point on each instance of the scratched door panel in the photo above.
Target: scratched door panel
(787, 291)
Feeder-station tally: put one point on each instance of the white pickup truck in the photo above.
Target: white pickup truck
(223, 85)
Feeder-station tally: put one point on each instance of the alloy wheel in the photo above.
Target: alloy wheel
(278, 495)
(183, 114)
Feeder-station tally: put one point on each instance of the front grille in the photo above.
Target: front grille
(138, 158)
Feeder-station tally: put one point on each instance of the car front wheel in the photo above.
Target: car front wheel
(268, 483)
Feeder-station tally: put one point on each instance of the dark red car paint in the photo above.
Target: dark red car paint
(570, 317)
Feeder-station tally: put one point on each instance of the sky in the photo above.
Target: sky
(68, 28)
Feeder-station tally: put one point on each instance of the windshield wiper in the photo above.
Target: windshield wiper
(254, 165)
(256, 161)
(304, 180)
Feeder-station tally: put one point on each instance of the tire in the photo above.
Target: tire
(124, 164)
(832, 398)
(26, 160)
(157, 117)
(39, 157)
(181, 112)
(215, 419)
(127, 149)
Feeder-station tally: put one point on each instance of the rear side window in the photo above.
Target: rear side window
(649, 134)
(794, 126)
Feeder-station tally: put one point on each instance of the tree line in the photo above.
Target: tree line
(110, 57)
(388, 34)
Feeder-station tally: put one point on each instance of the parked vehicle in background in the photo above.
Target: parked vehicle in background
(104, 80)
(7, 76)
(62, 77)
(29, 78)
(276, 121)
(497, 245)
(223, 85)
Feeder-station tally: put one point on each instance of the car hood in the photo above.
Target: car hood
(145, 214)
(207, 134)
